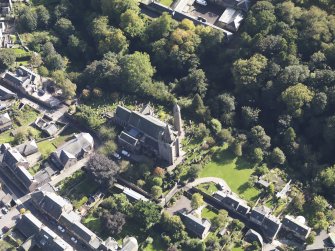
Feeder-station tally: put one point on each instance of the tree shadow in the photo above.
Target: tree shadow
(223, 157)
(243, 164)
(243, 188)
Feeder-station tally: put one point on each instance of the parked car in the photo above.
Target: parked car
(117, 156)
(125, 153)
(60, 228)
(74, 240)
(201, 19)
(201, 2)
(4, 210)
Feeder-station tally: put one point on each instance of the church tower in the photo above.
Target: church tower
(177, 119)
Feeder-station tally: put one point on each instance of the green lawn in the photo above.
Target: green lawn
(166, 2)
(208, 214)
(46, 148)
(34, 169)
(209, 188)
(66, 135)
(235, 171)
(5, 137)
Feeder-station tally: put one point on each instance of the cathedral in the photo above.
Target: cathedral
(143, 132)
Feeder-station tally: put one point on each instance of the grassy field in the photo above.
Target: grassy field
(235, 171)
(166, 2)
(209, 188)
(5, 137)
(46, 147)
(208, 214)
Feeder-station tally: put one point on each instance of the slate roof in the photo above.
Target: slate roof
(81, 142)
(24, 176)
(12, 157)
(243, 209)
(54, 205)
(147, 124)
(194, 224)
(27, 148)
(122, 113)
(259, 213)
(71, 221)
(4, 92)
(271, 224)
(29, 225)
(294, 225)
(5, 119)
(252, 236)
(128, 138)
(11, 77)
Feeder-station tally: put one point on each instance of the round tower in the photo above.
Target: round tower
(177, 119)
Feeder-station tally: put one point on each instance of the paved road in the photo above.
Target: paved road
(68, 172)
(66, 236)
(9, 219)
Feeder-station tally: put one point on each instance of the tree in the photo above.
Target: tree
(160, 172)
(271, 189)
(117, 203)
(258, 155)
(160, 27)
(216, 126)
(146, 214)
(247, 71)
(319, 204)
(250, 115)
(328, 176)
(7, 59)
(64, 27)
(113, 222)
(296, 97)
(198, 106)
(43, 17)
(68, 88)
(102, 169)
(197, 201)
(173, 225)
(36, 60)
(115, 8)
(194, 171)
(55, 62)
(136, 73)
(237, 148)
(311, 238)
(220, 219)
(237, 225)
(132, 24)
(156, 191)
(27, 19)
(225, 136)
(194, 83)
(277, 156)
(298, 199)
(113, 41)
(259, 138)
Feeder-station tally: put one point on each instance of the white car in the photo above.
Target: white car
(117, 156)
(74, 240)
(125, 153)
(201, 2)
(60, 228)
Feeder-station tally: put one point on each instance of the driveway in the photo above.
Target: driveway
(182, 204)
